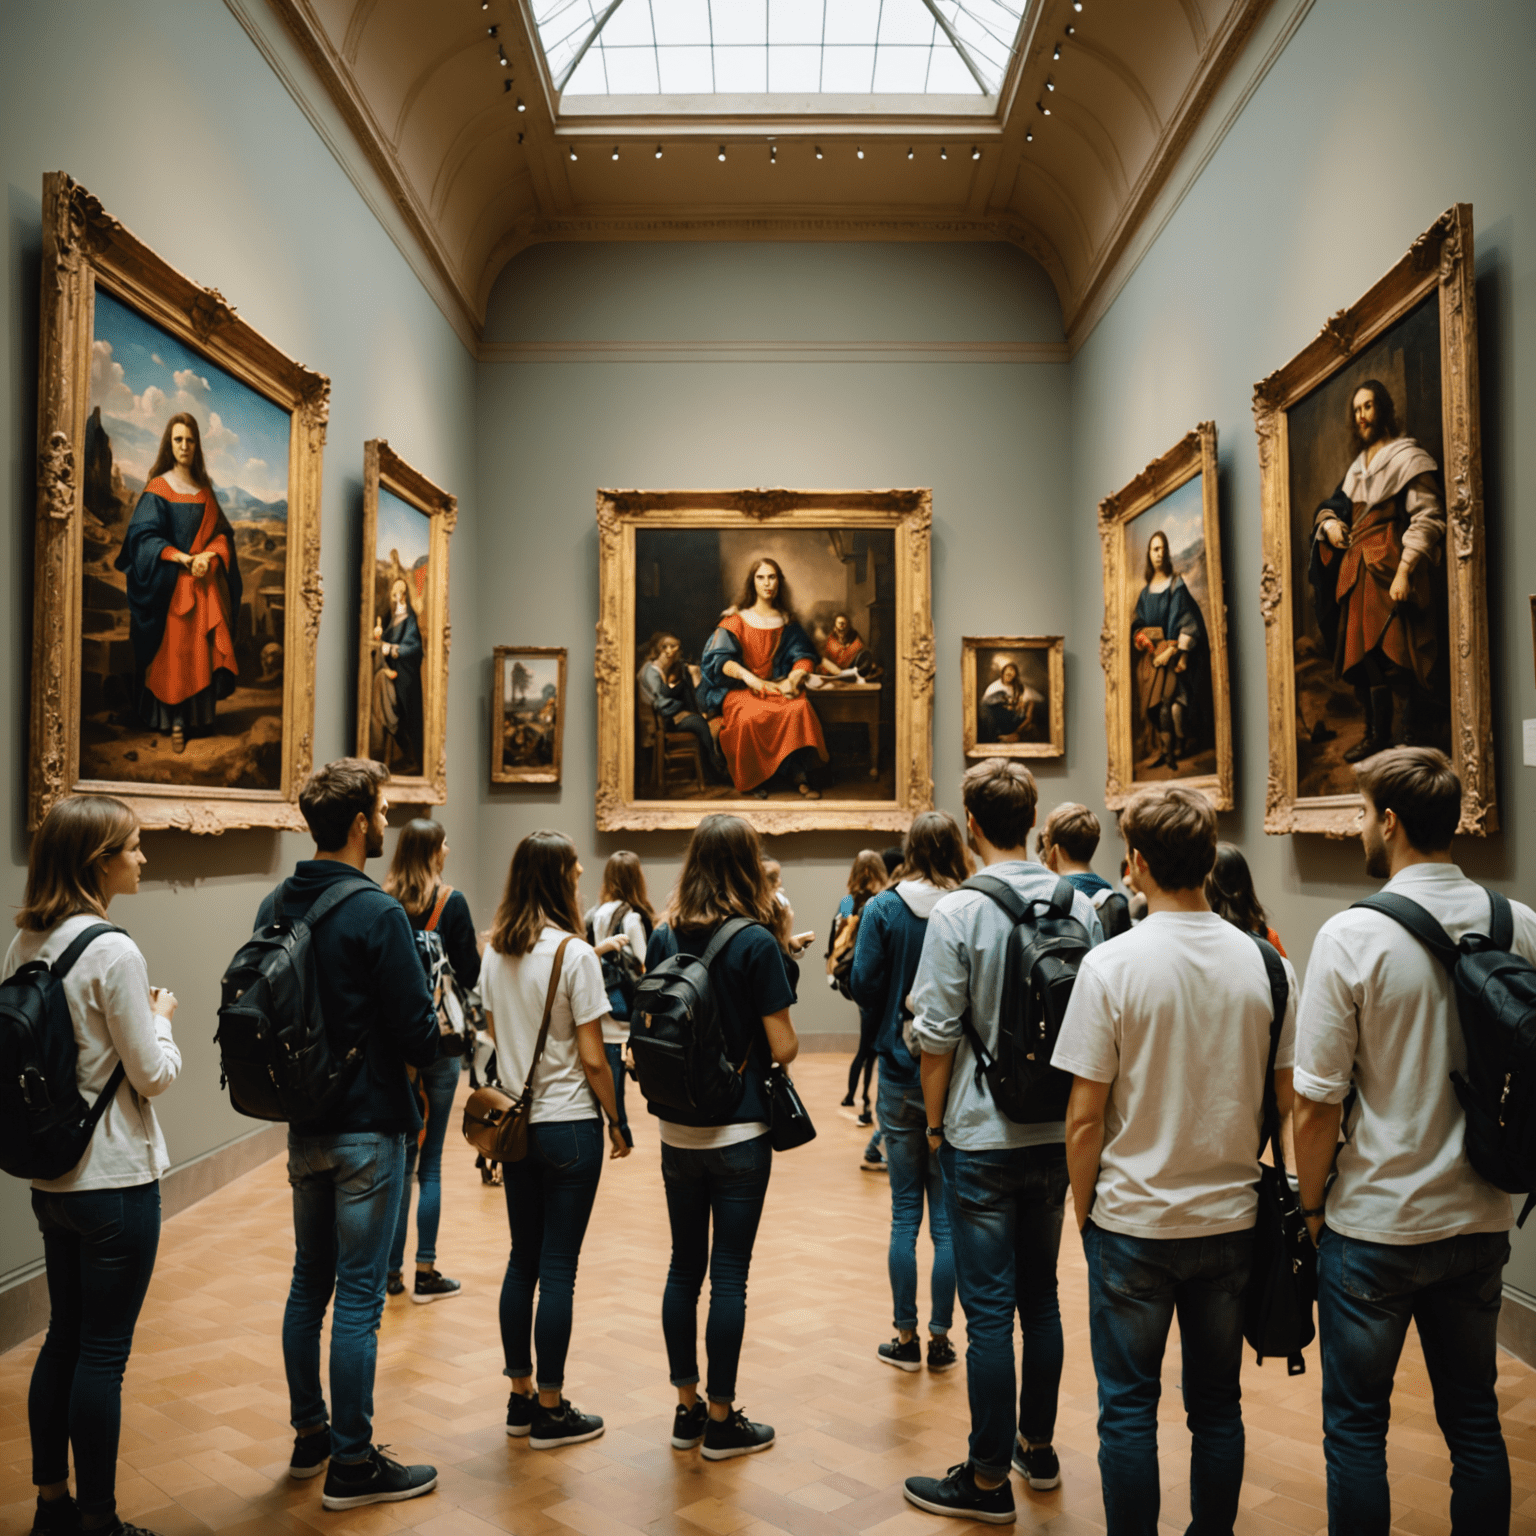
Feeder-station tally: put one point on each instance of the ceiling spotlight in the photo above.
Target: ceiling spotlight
(910, 155)
(615, 152)
(501, 53)
(1071, 30)
(818, 151)
(859, 151)
(1029, 136)
(943, 153)
(493, 31)
(721, 154)
(1077, 5)
(573, 152)
(975, 153)
(658, 151)
(1056, 53)
(1050, 85)
(773, 154)
(522, 106)
(1045, 110)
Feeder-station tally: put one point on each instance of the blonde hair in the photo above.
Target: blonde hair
(63, 869)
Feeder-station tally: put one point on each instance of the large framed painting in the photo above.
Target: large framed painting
(177, 540)
(527, 713)
(1167, 708)
(1013, 695)
(1374, 585)
(767, 652)
(402, 684)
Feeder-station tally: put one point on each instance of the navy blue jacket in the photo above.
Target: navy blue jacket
(885, 956)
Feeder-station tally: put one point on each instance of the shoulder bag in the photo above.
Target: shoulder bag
(789, 1123)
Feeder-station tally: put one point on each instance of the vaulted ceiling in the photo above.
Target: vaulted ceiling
(453, 103)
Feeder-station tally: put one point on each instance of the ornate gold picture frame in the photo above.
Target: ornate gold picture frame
(527, 713)
(676, 579)
(1350, 664)
(403, 631)
(1167, 704)
(176, 602)
(1014, 696)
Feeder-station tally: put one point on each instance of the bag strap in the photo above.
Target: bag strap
(329, 899)
(443, 893)
(78, 946)
(104, 1098)
(723, 936)
(1501, 930)
(1280, 996)
(549, 1009)
(1418, 922)
(1017, 908)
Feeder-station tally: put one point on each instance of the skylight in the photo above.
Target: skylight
(778, 47)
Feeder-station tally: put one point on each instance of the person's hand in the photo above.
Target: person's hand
(794, 683)
(1182, 665)
(163, 1001)
(1336, 533)
(1161, 659)
(757, 684)
(1398, 591)
(390, 675)
(1315, 1226)
(934, 1143)
(200, 565)
(1141, 640)
(613, 942)
(617, 1146)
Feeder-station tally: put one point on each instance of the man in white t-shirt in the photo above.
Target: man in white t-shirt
(1412, 1231)
(1168, 1038)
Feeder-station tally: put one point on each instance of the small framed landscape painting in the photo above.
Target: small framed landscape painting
(527, 713)
(1013, 691)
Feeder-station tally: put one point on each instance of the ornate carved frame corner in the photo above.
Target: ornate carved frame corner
(383, 466)
(1055, 647)
(1440, 260)
(500, 773)
(1194, 454)
(909, 513)
(85, 247)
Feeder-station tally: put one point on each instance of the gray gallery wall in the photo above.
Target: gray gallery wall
(226, 179)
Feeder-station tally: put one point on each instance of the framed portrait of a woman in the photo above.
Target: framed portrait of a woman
(1167, 709)
(403, 634)
(177, 591)
(1013, 695)
(764, 652)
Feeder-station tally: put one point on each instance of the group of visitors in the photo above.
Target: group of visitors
(1179, 1019)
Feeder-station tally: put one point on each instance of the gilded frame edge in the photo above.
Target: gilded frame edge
(908, 512)
(499, 773)
(82, 242)
(1441, 260)
(1055, 647)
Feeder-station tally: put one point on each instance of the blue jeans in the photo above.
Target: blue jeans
(615, 1055)
(346, 1193)
(914, 1174)
(1135, 1286)
(441, 1082)
(1366, 1295)
(1005, 1210)
(549, 1202)
(727, 1185)
(99, 1246)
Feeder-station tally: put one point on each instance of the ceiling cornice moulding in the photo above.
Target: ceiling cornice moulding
(993, 352)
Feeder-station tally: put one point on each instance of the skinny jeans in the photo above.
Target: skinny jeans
(441, 1082)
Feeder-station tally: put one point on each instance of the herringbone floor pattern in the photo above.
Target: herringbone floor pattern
(206, 1435)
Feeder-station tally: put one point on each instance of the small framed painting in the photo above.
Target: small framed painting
(1014, 693)
(527, 713)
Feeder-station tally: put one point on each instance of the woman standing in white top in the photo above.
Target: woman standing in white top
(620, 927)
(550, 1192)
(101, 1221)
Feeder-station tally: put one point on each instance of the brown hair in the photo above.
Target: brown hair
(867, 877)
(654, 644)
(781, 599)
(1074, 829)
(1419, 785)
(624, 880)
(63, 869)
(412, 877)
(1386, 410)
(540, 893)
(934, 850)
(1229, 889)
(165, 457)
(1000, 793)
(1150, 570)
(722, 877)
(1174, 830)
(335, 795)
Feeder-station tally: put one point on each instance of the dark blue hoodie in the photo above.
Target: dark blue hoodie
(885, 956)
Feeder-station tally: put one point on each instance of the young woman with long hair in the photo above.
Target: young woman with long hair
(618, 927)
(415, 880)
(885, 955)
(101, 1220)
(550, 1192)
(867, 878)
(1229, 889)
(717, 1174)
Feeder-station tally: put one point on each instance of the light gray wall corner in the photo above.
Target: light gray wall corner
(1517, 1324)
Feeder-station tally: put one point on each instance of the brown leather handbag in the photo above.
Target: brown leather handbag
(495, 1124)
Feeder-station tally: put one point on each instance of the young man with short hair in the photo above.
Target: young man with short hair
(1167, 1036)
(1004, 1183)
(1068, 841)
(1408, 1230)
(346, 1167)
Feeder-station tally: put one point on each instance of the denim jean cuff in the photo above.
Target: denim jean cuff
(686, 1381)
(517, 1374)
(939, 1330)
(97, 1509)
(910, 1324)
(550, 1386)
(316, 1421)
(994, 1474)
(725, 1399)
(426, 1258)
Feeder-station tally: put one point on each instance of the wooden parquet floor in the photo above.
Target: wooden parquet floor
(206, 1437)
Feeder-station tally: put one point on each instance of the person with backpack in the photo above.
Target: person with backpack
(1229, 889)
(79, 1012)
(996, 1127)
(1171, 1036)
(346, 1155)
(703, 1068)
(866, 879)
(619, 928)
(1411, 1229)
(445, 941)
(887, 949)
(1068, 841)
(545, 1007)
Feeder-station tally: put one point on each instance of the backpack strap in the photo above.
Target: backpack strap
(1501, 928)
(1418, 922)
(443, 893)
(1280, 996)
(78, 946)
(1004, 895)
(327, 901)
(549, 1010)
(723, 936)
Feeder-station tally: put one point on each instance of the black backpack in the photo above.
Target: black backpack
(622, 968)
(1046, 948)
(45, 1124)
(1496, 999)
(1114, 912)
(676, 1038)
(274, 1052)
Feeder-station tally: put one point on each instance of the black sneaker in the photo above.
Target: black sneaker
(847, 1103)
(956, 1494)
(310, 1453)
(1037, 1465)
(735, 1435)
(521, 1407)
(866, 1119)
(873, 1161)
(379, 1480)
(905, 1357)
(688, 1425)
(56, 1516)
(431, 1286)
(565, 1425)
(394, 1286)
(941, 1353)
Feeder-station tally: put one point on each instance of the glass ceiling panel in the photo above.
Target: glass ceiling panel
(800, 47)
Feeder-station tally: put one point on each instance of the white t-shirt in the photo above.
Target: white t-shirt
(1176, 1015)
(108, 994)
(616, 1031)
(513, 987)
(1380, 1011)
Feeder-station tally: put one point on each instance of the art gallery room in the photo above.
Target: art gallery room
(613, 414)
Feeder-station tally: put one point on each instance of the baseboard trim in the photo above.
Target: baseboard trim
(24, 1300)
(1517, 1325)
